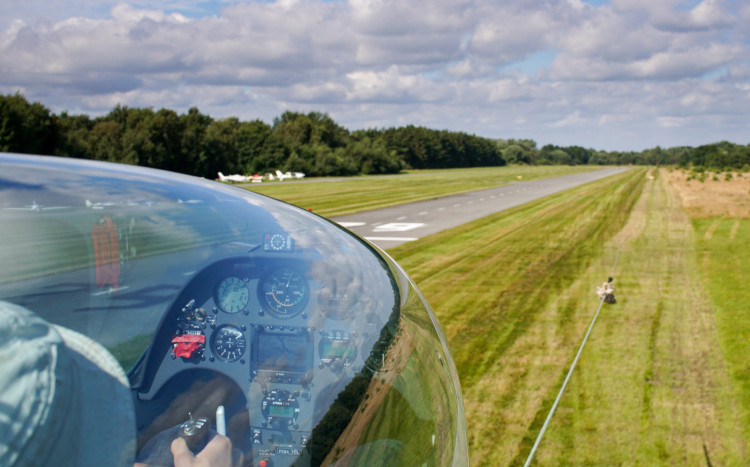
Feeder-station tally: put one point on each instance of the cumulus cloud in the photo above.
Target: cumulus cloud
(510, 30)
(469, 65)
(672, 14)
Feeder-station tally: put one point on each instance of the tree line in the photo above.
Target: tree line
(197, 144)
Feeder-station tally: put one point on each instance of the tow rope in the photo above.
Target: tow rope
(570, 372)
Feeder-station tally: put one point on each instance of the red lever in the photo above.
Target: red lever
(187, 345)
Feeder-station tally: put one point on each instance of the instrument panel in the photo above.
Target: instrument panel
(287, 338)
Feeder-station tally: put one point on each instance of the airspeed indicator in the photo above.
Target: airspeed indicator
(285, 292)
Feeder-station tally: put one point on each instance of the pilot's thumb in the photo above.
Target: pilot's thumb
(181, 453)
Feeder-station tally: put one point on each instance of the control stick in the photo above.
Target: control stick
(195, 433)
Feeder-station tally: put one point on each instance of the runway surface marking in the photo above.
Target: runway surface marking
(427, 217)
(398, 226)
(391, 239)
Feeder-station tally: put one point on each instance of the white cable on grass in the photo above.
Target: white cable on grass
(559, 395)
(570, 372)
(617, 255)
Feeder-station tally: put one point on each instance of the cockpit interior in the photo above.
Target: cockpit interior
(302, 342)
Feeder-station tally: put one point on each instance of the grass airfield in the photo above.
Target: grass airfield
(665, 376)
(354, 194)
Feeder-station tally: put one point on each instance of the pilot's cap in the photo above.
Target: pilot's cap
(64, 399)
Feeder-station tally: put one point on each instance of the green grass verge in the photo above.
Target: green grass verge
(663, 379)
(724, 260)
(651, 387)
(490, 279)
(355, 194)
(489, 276)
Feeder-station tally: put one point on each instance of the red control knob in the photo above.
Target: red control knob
(187, 345)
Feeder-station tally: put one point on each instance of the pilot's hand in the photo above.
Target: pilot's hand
(217, 453)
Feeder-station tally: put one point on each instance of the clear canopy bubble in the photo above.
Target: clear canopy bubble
(319, 347)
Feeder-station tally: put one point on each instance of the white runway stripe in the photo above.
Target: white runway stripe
(392, 239)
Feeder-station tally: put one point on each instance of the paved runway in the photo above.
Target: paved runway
(393, 226)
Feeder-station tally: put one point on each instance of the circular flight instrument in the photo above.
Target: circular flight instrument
(285, 292)
(232, 294)
(228, 343)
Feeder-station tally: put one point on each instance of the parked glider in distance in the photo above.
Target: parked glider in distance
(35, 207)
(101, 205)
(234, 178)
(282, 176)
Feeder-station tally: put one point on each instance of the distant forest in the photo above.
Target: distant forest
(197, 144)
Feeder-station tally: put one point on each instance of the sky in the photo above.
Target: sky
(615, 75)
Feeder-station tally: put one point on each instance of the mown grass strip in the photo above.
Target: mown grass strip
(724, 261)
(498, 270)
(355, 194)
(651, 388)
(489, 280)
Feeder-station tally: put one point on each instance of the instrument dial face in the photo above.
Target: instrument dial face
(232, 294)
(285, 292)
(228, 343)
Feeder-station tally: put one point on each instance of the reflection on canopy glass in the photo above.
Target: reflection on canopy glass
(319, 347)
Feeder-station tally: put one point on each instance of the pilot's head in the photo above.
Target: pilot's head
(63, 398)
